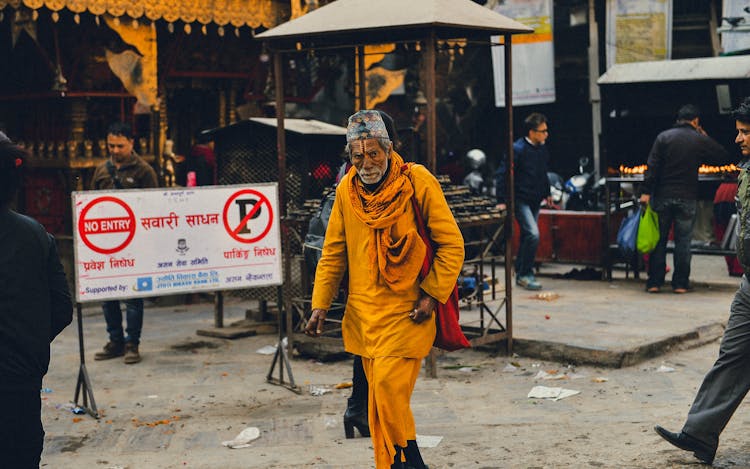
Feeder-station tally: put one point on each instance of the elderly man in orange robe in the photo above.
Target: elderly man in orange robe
(389, 318)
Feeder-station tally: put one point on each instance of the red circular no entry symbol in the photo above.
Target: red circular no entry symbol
(248, 216)
(110, 227)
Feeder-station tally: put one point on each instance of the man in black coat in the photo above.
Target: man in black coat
(35, 306)
(670, 185)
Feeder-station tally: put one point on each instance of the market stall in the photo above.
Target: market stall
(640, 100)
(73, 67)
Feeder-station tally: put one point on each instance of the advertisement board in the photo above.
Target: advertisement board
(533, 54)
(152, 242)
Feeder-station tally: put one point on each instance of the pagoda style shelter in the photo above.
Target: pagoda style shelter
(423, 25)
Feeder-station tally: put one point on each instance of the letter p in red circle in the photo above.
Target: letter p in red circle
(248, 216)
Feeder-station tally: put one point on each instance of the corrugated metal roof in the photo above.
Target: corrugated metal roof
(303, 126)
(347, 17)
(297, 126)
(709, 68)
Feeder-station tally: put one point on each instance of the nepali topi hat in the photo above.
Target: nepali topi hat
(366, 124)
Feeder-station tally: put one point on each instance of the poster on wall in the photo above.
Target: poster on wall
(638, 31)
(533, 54)
(152, 242)
(735, 40)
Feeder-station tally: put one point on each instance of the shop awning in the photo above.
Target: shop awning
(390, 20)
(709, 68)
(253, 13)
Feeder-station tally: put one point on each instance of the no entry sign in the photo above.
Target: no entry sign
(151, 242)
(106, 225)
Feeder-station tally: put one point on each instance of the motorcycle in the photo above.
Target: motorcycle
(584, 191)
(476, 161)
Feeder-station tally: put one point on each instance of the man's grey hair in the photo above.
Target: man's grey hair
(385, 143)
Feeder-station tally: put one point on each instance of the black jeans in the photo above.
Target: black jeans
(681, 214)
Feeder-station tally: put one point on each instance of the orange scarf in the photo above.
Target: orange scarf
(398, 261)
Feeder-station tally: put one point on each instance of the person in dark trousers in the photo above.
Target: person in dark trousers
(123, 170)
(728, 381)
(35, 306)
(670, 185)
(530, 163)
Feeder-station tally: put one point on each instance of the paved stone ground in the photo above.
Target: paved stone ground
(190, 393)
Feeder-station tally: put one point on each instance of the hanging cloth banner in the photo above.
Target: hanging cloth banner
(638, 31)
(137, 71)
(533, 54)
(381, 82)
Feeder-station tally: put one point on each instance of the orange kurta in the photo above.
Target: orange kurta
(377, 323)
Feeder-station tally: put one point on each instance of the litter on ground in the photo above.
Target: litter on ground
(555, 394)
(243, 439)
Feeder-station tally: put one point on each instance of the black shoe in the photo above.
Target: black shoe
(131, 353)
(111, 350)
(356, 416)
(413, 456)
(684, 441)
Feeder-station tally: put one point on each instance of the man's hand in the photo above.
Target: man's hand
(314, 326)
(423, 311)
(645, 198)
(501, 206)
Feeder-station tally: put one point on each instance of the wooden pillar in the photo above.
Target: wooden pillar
(280, 134)
(284, 300)
(511, 195)
(361, 78)
(429, 74)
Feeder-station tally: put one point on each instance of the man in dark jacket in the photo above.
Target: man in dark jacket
(530, 161)
(35, 306)
(671, 187)
(728, 381)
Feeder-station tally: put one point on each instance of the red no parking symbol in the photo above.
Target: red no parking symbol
(248, 216)
(111, 227)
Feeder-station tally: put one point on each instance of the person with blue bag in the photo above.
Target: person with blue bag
(670, 187)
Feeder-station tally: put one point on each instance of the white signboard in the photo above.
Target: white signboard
(533, 54)
(151, 242)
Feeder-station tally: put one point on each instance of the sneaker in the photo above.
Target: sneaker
(528, 282)
(131, 353)
(111, 350)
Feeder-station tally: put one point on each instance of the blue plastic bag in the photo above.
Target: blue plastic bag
(627, 235)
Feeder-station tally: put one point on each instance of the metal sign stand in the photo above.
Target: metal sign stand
(281, 357)
(83, 386)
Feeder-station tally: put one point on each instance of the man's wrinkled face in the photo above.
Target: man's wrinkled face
(743, 137)
(369, 159)
(120, 148)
